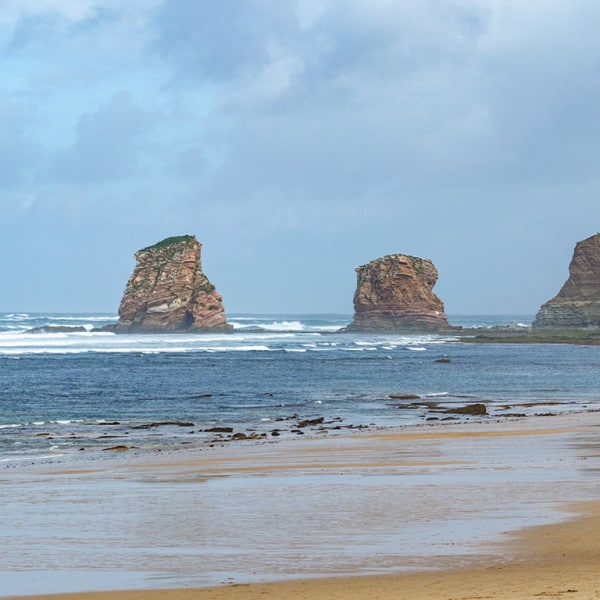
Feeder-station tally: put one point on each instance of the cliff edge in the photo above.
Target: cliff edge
(169, 292)
(394, 294)
(577, 304)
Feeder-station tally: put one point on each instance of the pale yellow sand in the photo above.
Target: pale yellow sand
(552, 561)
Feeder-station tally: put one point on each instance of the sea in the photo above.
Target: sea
(81, 393)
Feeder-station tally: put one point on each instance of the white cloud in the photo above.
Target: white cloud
(308, 12)
(398, 119)
(276, 78)
(109, 143)
(74, 10)
(27, 201)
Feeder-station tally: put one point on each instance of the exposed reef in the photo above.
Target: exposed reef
(395, 294)
(526, 335)
(57, 329)
(577, 304)
(169, 292)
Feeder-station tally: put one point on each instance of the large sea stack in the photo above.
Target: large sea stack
(394, 294)
(577, 305)
(169, 292)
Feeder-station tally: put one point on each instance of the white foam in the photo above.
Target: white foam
(243, 318)
(41, 457)
(290, 335)
(416, 348)
(256, 348)
(325, 328)
(59, 318)
(246, 349)
(281, 326)
(284, 326)
(244, 327)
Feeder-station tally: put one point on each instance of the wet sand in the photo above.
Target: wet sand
(497, 509)
(556, 561)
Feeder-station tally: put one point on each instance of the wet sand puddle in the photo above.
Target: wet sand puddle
(347, 505)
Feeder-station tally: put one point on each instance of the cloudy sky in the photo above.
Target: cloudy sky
(297, 139)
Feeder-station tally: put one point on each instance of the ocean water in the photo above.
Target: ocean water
(78, 393)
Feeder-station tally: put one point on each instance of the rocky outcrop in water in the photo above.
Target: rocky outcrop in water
(395, 294)
(58, 329)
(169, 292)
(577, 304)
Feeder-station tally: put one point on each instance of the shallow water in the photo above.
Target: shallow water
(64, 393)
(295, 509)
(75, 517)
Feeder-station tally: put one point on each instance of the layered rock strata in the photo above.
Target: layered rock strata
(394, 294)
(169, 292)
(577, 304)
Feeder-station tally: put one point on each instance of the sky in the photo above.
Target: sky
(297, 139)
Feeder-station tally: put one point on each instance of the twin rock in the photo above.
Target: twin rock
(169, 292)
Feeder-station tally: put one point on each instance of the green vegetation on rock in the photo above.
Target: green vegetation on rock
(205, 286)
(169, 242)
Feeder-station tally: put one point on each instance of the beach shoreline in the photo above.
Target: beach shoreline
(552, 561)
(456, 528)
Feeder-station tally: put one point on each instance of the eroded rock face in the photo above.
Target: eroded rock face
(169, 292)
(578, 302)
(394, 294)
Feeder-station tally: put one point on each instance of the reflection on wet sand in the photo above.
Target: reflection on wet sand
(422, 498)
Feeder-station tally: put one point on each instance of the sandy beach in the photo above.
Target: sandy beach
(503, 509)
(557, 561)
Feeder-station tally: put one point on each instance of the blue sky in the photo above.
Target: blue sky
(297, 139)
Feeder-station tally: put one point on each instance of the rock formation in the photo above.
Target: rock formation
(394, 294)
(578, 302)
(169, 292)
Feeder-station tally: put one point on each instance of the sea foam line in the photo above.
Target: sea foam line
(32, 457)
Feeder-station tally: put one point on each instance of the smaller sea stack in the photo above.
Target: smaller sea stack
(395, 294)
(577, 304)
(168, 291)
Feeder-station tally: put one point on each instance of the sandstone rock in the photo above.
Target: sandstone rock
(310, 422)
(470, 409)
(169, 292)
(163, 424)
(577, 304)
(394, 294)
(220, 430)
